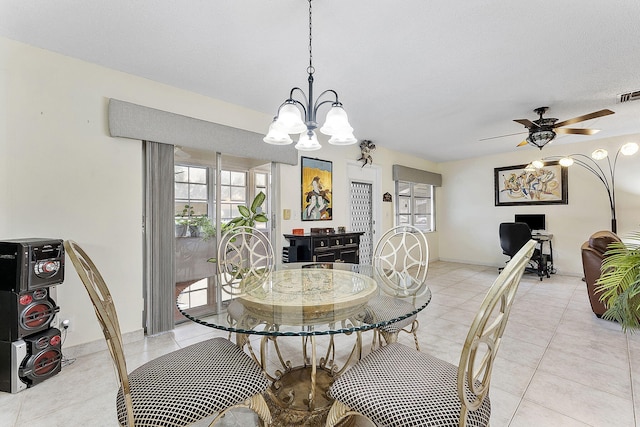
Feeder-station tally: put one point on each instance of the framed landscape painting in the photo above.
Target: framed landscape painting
(316, 189)
(518, 185)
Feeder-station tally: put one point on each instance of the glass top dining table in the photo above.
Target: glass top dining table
(307, 299)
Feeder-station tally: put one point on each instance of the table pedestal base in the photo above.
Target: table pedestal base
(289, 401)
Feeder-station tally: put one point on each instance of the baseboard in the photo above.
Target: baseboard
(100, 345)
(461, 261)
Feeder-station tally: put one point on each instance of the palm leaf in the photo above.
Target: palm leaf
(619, 283)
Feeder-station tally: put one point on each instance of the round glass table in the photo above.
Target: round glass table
(308, 300)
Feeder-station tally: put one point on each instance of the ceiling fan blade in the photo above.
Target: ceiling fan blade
(502, 136)
(522, 144)
(589, 116)
(577, 131)
(526, 123)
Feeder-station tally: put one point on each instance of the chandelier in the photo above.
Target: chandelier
(299, 116)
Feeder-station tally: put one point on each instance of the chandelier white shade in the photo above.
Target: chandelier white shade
(308, 142)
(300, 117)
(276, 135)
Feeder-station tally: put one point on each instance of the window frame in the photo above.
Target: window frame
(410, 216)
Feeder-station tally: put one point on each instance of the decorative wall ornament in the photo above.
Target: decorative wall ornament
(386, 197)
(366, 148)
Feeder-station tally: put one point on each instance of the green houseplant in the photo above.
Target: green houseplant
(249, 216)
(619, 283)
(183, 220)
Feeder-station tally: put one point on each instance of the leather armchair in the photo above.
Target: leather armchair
(592, 255)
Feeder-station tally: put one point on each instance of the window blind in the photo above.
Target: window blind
(404, 173)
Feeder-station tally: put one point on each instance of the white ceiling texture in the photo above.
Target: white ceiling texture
(427, 77)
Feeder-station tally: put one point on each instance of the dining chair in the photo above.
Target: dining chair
(399, 386)
(245, 256)
(181, 387)
(400, 260)
(245, 259)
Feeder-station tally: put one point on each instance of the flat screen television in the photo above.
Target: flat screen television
(534, 221)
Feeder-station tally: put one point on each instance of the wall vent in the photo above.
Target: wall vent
(631, 96)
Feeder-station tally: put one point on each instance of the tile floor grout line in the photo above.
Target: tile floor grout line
(555, 331)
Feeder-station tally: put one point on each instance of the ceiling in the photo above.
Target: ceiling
(428, 78)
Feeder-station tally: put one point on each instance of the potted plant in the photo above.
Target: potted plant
(197, 224)
(182, 220)
(248, 217)
(619, 283)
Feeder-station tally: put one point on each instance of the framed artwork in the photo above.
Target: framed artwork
(316, 176)
(516, 185)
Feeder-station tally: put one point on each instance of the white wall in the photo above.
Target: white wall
(64, 177)
(469, 220)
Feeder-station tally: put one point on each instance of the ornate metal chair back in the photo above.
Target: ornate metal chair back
(106, 314)
(485, 334)
(401, 259)
(245, 255)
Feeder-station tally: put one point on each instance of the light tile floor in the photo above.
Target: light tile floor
(558, 365)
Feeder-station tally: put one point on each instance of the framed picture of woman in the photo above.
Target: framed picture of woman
(316, 189)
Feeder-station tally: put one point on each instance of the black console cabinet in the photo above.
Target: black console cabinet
(337, 247)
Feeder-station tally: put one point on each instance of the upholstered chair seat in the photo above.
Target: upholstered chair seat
(190, 384)
(397, 386)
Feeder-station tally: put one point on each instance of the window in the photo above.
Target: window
(261, 183)
(191, 190)
(414, 205)
(195, 193)
(234, 192)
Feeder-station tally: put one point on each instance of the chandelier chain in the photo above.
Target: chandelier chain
(310, 70)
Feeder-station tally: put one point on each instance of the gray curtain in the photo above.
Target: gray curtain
(159, 260)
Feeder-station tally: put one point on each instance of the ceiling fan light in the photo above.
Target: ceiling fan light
(629, 149)
(566, 161)
(343, 139)
(541, 138)
(289, 119)
(337, 121)
(308, 142)
(276, 135)
(599, 154)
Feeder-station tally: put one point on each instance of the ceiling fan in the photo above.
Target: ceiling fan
(544, 130)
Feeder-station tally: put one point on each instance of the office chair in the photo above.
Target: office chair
(513, 236)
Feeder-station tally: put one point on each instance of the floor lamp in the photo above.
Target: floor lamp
(606, 176)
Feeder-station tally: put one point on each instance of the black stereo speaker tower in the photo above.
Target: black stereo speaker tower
(29, 361)
(30, 345)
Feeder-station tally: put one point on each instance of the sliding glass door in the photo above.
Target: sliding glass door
(198, 178)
